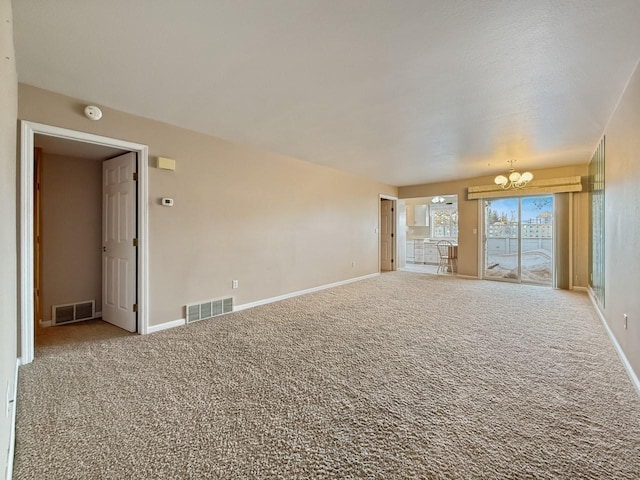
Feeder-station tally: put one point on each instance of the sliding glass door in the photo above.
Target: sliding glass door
(518, 239)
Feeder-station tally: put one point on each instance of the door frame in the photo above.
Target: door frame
(394, 224)
(28, 130)
(482, 248)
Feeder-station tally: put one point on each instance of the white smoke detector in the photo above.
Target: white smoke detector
(92, 112)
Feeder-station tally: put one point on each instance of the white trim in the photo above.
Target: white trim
(166, 325)
(26, 242)
(580, 289)
(181, 321)
(27, 133)
(623, 358)
(49, 323)
(12, 433)
(245, 306)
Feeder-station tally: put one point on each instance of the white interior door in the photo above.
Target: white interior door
(386, 235)
(118, 237)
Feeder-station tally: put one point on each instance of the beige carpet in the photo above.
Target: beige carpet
(401, 376)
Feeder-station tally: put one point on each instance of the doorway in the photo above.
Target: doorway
(28, 132)
(387, 234)
(426, 221)
(518, 239)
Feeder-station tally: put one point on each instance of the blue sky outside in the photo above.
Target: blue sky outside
(531, 207)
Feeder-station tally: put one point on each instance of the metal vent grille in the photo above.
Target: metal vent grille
(208, 309)
(63, 314)
(73, 312)
(227, 305)
(84, 310)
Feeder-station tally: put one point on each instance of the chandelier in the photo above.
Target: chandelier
(437, 200)
(514, 179)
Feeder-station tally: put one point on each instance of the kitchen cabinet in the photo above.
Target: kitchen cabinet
(410, 254)
(418, 247)
(411, 215)
(431, 254)
(418, 215)
(421, 251)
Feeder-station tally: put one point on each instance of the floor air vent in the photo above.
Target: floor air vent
(208, 309)
(73, 312)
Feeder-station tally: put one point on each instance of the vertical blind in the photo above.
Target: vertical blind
(561, 229)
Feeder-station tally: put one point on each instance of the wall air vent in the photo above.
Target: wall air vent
(73, 312)
(208, 309)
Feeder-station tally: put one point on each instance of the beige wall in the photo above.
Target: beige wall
(275, 223)
(71, 231)
(622, 222)
(8, 233)
(469, 230)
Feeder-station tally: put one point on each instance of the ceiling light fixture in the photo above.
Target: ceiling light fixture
(514, 179)
(437, 200)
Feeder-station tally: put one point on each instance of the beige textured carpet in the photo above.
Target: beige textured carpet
(401, 376)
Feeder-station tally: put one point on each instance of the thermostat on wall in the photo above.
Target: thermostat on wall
(167, 202)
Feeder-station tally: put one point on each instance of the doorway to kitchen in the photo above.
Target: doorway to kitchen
(518, 239)
(427, 221)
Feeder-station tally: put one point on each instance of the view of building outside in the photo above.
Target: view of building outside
(528, 220)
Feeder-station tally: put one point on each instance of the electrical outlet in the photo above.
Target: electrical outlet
(234, 284)
(625, 320)
(353, 264)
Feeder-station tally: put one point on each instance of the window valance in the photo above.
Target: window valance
(544, 186)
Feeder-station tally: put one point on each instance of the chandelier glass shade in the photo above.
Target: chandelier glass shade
(437, 200)
(513, 179)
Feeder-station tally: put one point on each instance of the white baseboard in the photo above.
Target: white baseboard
(623, 358)
(245, 306)
(580, 289)
(166, 325)
(12, 438)
(237, 308)
(49, 323)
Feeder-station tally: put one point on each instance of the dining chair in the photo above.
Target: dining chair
(448, 257)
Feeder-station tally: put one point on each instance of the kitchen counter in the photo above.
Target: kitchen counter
(429, 240)
(423, 250)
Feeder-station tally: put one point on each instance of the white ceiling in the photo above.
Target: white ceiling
(403, 91)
